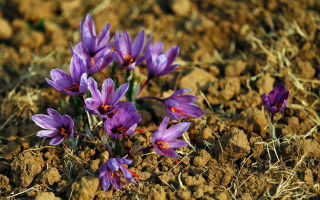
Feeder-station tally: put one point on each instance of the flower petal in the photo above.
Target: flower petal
(56, 140)
(172, 54)
(177, 143)
(45, 121)
(107, 91)
(57, 74)
(119, 93)
(175, 131)
(125, 44)
(138, 44)
(95, 93)
(47, 133)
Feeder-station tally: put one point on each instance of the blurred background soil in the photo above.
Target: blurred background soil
(231, 53)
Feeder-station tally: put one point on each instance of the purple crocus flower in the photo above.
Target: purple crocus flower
(57, 127)
(128, 53)
(181, 106)
(123, 123)
(104, 103)
(276, 101)
(160, 63)
(164, 140)
(73, 85)
(95, 50)
(111, 170)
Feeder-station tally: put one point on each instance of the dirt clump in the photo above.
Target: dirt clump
(50, 176)
(5, 186)
(46, 196)
(309, 147)
(202, 159)
(234, 145)
(6, 29)
(25, 167)
(86, 188)
(199, 78)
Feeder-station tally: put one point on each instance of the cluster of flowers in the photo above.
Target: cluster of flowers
(120, 118)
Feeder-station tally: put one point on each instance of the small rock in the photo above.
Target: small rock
(157, 193)
(46, 196)
(235, 68)
(85, 189)
(199, 78)
(181, 7)
(194, 180)
(311, 147)
(50, 176)
(5, 30)
(235, 146)
(222, 195)
(265, 84)
(308, 177)
(202, 159)
(305, 69)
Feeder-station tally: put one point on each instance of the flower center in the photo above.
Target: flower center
(163, 145)
(104, 108)
(74, 88)
(128, 60)
(278, 105)
(64, 132)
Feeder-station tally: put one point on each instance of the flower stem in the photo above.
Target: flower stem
(272, 128)
(144, 84)
(118, 148)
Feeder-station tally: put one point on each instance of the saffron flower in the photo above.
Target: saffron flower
(182, 106)
(159, 63)
(123, 123)
(128, 53)
(57, 127)
(95, 50)
(111, 170)
(276, 101)
(104, 103)
(73, 85)
(164, 140)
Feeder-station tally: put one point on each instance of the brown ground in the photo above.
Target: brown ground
(231, 53)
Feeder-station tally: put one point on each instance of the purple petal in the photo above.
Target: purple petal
(131, 66)
(125, 44)
(175, 131)
(47, 133)
(88, 33)
(187, 98)
(138, 44)
(265, 101)
(164, 124)
(157, 48)
(171, 114)
(170, 153)
(119, 93)
(191, 110)
(105, 182)
(57, 74)
(54, 85)
(83, 83)
(54, 114)
(172, 54)
(77, 68)
(180, 91)
(92, 105)
(56, 140)
(283, 106)
(126, 173)
(115, 181)
(271, 97)
(168, 70)
(95, 93)
(45, 122)
(273, 109)
(107, 91)
(104, 35)
(177, 143)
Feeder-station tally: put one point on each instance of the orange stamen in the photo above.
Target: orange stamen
(110, 89)
(141, 131)
(134, 174)
(92, 61)
(174, 109)
(176, 160)
(140, 68)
